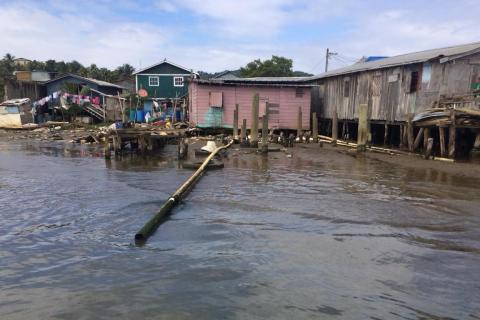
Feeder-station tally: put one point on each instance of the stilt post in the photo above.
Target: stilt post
(334, 127)
(452, 135)
(314, 127)
(254, 126)
(235, 123)
(362, 136)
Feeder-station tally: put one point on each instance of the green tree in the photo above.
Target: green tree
(274, 67)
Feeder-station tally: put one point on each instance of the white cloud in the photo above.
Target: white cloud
(214, 35)
(40, 35)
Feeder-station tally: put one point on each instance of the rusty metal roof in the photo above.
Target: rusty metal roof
(409, 58)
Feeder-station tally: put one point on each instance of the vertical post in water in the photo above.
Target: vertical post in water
(235, 123)
(314, 127)
(254, 126)
(385, 134)
(441, 133)
(243, 133)
(362, 135)
(334, 127)
(426, 135)
(299, 122)
(452, 135)
(410, 132)
(265, 132)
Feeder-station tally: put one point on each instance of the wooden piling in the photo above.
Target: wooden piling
(426, 136)
(264, 148)
(410, 132)
(235, 122)
(385, 134)
(334, 127)
(254, 126)
(314, 127)
(243, 133)
(402, 141)
(441, 133)
(419, 137)
(428, 148)
(452, 135)
(299, 122)
(362, 135)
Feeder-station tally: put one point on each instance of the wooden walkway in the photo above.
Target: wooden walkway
(141, 139)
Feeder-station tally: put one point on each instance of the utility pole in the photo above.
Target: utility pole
(327, 56)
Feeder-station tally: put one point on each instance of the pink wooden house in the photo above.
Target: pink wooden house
(212, 102)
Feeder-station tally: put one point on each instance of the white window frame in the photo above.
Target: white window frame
(177, 85)
(150, 78)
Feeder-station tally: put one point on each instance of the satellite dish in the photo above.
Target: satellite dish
(142, 93)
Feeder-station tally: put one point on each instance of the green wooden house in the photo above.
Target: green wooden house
(165, 82)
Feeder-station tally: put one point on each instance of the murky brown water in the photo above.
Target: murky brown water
(284, 238)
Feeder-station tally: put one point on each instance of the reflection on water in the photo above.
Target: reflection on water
(318, 235)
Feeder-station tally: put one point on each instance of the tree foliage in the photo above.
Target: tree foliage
(274, 67)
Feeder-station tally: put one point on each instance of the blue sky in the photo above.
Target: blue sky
(214, 35)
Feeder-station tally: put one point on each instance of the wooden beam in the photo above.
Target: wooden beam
(314, 127)
(235, 122)
(452, 135)
(299, 122)
(419, 137)
(428, 149)
(426, 135)
(243, 133)
(385, 134)
(334, 127)
(254, 126)
(441, 133)
(410, 132)
(362, 136)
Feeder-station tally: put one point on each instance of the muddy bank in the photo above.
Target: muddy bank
(465, 169)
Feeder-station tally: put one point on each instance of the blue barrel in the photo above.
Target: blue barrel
(132, 115)
(140, 116)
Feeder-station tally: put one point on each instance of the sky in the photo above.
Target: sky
(216, 35)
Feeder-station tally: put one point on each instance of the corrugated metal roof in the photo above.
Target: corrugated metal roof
(162, 62)
(98, 82)
(15, 102)
(265, 81)
(408, 58)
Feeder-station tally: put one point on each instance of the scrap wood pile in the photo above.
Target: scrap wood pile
(442, 117)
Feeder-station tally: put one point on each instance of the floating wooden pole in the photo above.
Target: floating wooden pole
(362, 135)
(254, 126)
(235, 122)
(314, 127)
(152, 225)
(441, 133)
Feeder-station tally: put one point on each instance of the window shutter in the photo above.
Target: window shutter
(216, 99)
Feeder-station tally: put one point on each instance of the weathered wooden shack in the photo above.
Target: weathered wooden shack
(212, 102)
(397, 88)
